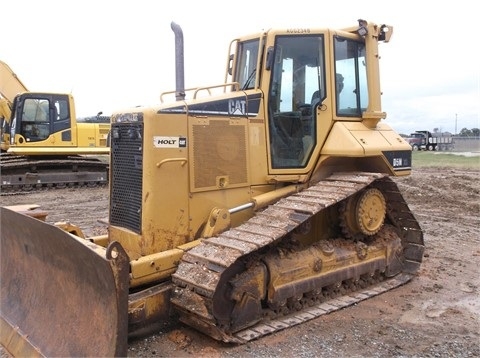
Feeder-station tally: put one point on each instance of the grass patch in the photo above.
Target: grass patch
(447, 160)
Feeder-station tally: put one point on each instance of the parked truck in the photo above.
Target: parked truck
(426, 140)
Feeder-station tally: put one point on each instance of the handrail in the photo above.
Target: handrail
(208, 88)
(198, 89)
(169, 160)
(174, 92)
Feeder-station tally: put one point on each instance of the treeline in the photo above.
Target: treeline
(465, 132)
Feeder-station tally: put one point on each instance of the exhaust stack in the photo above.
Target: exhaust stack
(179, 62)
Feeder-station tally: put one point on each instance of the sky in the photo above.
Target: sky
(117, 54)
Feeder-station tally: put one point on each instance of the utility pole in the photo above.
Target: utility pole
(456, 124)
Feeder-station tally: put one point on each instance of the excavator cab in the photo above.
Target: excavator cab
(37, 116)
(44, 124)
(41, 122)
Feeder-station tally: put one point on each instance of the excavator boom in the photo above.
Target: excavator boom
(10, 84)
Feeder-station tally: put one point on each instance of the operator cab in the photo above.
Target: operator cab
(36, 116)
(300, 88)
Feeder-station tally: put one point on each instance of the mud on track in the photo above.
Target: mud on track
(437, 314)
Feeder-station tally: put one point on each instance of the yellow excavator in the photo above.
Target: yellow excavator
(241, 208)
(43, 143)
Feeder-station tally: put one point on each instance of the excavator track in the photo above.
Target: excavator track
(220, 286)
(20, 174)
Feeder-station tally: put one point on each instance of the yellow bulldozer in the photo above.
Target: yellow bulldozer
(240, 209)
(43, 143)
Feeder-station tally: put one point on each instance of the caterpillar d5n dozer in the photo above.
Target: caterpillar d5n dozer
(252, 206)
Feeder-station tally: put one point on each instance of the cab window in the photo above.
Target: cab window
(247, 64)
(35, 119)
(351, 78)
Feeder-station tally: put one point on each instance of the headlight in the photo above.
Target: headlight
(127, 117)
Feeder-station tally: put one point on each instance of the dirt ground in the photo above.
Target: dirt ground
(437, 314)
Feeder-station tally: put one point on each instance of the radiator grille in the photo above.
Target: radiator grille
(219, 149)
(126, 176)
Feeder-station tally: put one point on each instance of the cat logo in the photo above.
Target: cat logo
(237, 106)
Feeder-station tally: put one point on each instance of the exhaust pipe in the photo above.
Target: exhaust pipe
(179, 62)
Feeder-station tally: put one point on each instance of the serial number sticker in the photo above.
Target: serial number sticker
(298, 31)
(169, 142)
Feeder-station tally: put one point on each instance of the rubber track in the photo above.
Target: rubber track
(201, 268)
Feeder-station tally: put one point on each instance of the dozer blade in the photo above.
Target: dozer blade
(60, 295)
